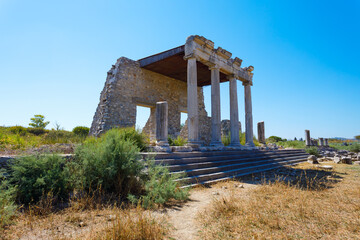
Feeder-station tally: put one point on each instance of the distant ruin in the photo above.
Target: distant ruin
(177, 77)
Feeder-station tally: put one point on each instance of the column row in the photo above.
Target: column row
(192, 105)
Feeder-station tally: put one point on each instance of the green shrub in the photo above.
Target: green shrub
(131, 134)
(7, 204)
(226, 140)
(58, 136)
(313, 151)
(38, 121)
(18, 130)
(160, 186)
(37, 131)
(81, 131)
(292, 144)
(355, 147)
(179, 141)
(274, 139)
(111, 161)
(35, 176)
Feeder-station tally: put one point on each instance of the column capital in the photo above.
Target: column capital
(247, 83)
(230, 76)
(213, 66)
(191, 56)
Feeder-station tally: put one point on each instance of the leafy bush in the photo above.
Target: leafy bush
(133, 135)
(111, 162)
(226, 140)
(160, 186)
(37, 131)
(355, 147)
(18, 130)
(313, 151)
(81, 131)
(7, 205)
(38, 121)
(35, 176)
(273, 139)
(179, 141)
(58, 136)
(292, 144)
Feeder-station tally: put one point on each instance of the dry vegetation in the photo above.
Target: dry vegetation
(296, 203)
(316, 205)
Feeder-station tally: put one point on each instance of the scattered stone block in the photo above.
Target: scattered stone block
(312, 159)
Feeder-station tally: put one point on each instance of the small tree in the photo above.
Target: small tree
(295, 139)
(38, 121)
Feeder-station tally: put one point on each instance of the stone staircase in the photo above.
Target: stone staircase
(208, 167)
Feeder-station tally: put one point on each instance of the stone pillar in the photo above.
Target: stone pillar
(326, 142)
(162, 124)
(234, 112)
(192, 102)
(248, 116)
(215, 108)
(307, 138)
(261, 132)
(321, 140)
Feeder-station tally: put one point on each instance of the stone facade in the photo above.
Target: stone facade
(127, 85)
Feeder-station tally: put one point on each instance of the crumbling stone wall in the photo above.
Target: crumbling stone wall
(127, 85)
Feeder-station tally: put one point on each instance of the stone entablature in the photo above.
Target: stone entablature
(203, 50)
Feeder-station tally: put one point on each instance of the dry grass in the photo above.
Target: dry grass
(317, 205)
(88, 216)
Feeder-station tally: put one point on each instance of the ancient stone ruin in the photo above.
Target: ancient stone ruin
(176, 76)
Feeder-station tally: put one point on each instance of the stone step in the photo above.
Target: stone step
(204, 178)
(243, 174)
(184, 160)
(231, 165)
(214, 161)
(177, 155)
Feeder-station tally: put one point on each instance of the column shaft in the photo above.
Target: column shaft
(234, 112)
(248, 116)
(162, 123)
(307, 138)
(192, 102)
(215, 108)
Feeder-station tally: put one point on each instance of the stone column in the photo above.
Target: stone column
(307, 138)
(321, 140)
(261, 132)
(248, 116)
(192, 102)
(234, 112)
(162, 124)
(215, 107)
(326, 142)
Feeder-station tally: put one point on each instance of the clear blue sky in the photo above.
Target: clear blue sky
(54, 56)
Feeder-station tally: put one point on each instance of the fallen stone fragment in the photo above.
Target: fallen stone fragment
(328, 167)
(346, 160)
(337, 159)
(312, 159)
(357, 162)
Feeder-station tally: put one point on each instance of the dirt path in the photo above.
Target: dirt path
(183, 218)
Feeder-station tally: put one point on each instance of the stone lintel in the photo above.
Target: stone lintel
(204, 50)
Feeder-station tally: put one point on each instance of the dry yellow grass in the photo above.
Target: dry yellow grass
(317, 205)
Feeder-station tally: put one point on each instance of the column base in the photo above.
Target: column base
(162, 143)
(216, 144)
(249, 144)
(235, 145)
(194, 144)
